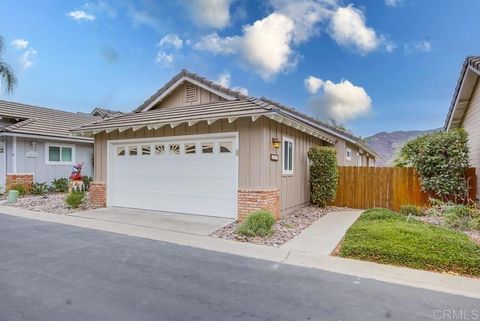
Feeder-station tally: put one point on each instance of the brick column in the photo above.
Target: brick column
(12, 180)
(251, 200)
(98, 194)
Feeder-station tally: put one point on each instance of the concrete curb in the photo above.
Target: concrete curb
(293, 255)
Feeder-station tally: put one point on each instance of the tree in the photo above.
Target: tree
(440, 159)
(6, 72)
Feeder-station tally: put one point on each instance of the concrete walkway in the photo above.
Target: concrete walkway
(298, 252)
(323, 236)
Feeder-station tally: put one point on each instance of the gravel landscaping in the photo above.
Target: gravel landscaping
(50, 203)
(284, 229)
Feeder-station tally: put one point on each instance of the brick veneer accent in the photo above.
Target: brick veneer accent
(251, 200)
(98, 194)
(19, 179)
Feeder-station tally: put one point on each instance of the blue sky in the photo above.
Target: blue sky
(378, 65)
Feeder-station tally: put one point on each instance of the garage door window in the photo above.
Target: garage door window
(132, 150)
(146, 150)
(207, 148)
(226, 147)
(190, 148)
(159, 149)
(174, 149)
(120, 150)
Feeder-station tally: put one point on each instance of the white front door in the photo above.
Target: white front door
(3, 166)
(185, 174)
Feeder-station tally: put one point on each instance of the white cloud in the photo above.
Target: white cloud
(393, 3)
(164, 59)
(26, 59)
(210, 13)
(419, 46)
(268, 46)
(81, 15)
(19, 43)
(171, 40)
(264, 45)
(341, 101)
(306, 15)
(313, 84)
(224, 80)
(349, 30)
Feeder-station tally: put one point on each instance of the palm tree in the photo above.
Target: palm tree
(6, 72)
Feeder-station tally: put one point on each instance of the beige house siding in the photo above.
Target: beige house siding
(341, 146)
(256, 170)
(471, 123)
(177, 98)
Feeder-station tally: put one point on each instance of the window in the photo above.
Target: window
(120, 150)
(159, 149)
(348, 154)
(174, 149)
(146, 150)
(288, 152)
(132, 150)
(359, 159)
(190, 148)
(226, 147)
(59, 154)
(207, 148)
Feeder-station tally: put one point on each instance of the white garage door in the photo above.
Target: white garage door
(185, 174)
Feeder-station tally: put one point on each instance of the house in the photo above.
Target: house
(464, 110)
(104, 113)
(36, 145)
(199, 148)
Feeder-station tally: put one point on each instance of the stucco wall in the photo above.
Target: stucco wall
(36, 164)
(471, 123)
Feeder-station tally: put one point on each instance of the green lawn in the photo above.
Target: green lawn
(383, 236)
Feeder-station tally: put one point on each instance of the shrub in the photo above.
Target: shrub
(375, 214)
(86, 182)
(459, 217)
(22, 190)
(440, 159)
(60, 185)
(75, 199)
(39, 188)
(475, 224)
(323, 174)
(259, 223)
(411, 210)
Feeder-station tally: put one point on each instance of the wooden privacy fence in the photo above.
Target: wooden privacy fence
(388, 187)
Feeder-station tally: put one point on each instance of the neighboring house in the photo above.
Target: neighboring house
(199, 148)
(105, 113)
(464, 110)
(36, 141)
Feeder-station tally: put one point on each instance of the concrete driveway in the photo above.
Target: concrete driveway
(190, 224)
(54, 272)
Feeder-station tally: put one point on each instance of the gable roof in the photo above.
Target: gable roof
(236, 105)
(103, 112)
(39, 121)
(193, 78)
(467, 81)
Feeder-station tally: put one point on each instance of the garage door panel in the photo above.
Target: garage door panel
(198, 183)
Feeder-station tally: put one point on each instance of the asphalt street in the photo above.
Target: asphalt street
(57, 272)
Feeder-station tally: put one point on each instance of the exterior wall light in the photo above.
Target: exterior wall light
(276, 143)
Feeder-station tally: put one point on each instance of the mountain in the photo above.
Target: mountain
(387, 144)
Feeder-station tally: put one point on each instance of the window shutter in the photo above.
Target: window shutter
(190, 93)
